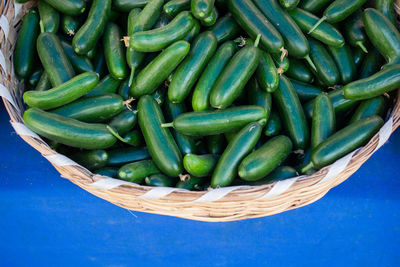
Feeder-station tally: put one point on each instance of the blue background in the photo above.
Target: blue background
(46, 219)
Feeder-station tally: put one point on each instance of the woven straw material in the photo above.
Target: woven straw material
(224, 204)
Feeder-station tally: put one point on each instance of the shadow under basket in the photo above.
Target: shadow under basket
(217, 205)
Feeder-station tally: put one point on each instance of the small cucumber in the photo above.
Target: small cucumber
(70, 24)
(344, 62)
(79, 63)
(123, 89)
(193, 183)
(122, 156)
(200, 165)
(211, 19)
(92, 159)
(134, 138)
(49, 17)
(299, 71)
(124, 121)
(201, 9)
(358, 56)
(69, 7)
(289, 4)
(114, 51)
(282, 64)
(274, 125)
(160, 180)
(266, 73)
(108, 85)
(174, 7)
(369, 107)
(136, 172)
(305, 91)
(354, 31)
(323, 120)
(108, 172)
(225, 28)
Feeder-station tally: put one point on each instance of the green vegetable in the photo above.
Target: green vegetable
(124, 121)
(369, 107)
(225, 28)
(114, 51)
(122, 156)
(323, 120)
(136, 172)
(159, 180)
(92, 159)
(201, 9)
(69, 7)
(200, 165)
(49, 17)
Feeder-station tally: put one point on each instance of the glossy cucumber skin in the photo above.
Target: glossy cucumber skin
(108, 172)
(225, 28)
(80, 63)
(280, 173)
(187, 73)
(274, 125)
(62, 94)
(238, 148)
(383, 35)
(292, 114)
(121, 156)
(211, 19)
(185, 143)
(323, 121)
(314, 6)
(92, 159)
(162, 21)
(193, 183)
(386, 7)
(108, 85)
(136, 172)
(157, 39)
(215, 144)
(193, 32)
(358, 56)
(325, 32)
(124, 121)
(90, 32)
(345, 141)
(233, 78)
(339, 10)
(25, 48)
(344, 62)
(289, 4)
(114, 51)
(305, 91)
(201, 9)
(253, 22)
(299, 71)
(295, 41)
(43, 83)
(69, 7)
(123, 89)
(371, 64)
(92, 109)
(354, 29)
(159, 180)
(324, 63)
(174, 7)
(162, 146)
(201, 93)
(264, 160)
(54, 59)
(49, 17)
(257, 96)
(134, 138)
(266, 73)
(34, 78)
(70, 24)
(158, 70)
(382, 82)
(128, 5)
(200, 165)
(68, 131)
(282, 64)
(369, 107)
(202, 123)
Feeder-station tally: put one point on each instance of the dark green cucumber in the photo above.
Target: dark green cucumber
(122, 156)
(114, 51)
(280, 173)
(159, 95)
(193, 32)
(68, 131)
(274, 125)
(134, 138)
(238, 148)
(124, 121)
(344, 62)
(69, 7)
(358, 56)
(99, 63)
(225, 28)
(128, 5)
(158, 70)
(54, 59)
(70, 24)
(215, 143)
(215, 122)
(89, 34)
(79, 63)
(250, 18)
(344, 141)
(289, 4)
(323, 121)
(201, 9)
(211, 19)
(108, 172)
(354, 31)
(160, 180)
(314, 6)
(157, 39)
(282, 63)
(292, 114)
(383, 35)
(386, 7)
(371, 64)
(174, 7)
(295, 41)
(185, 76)
(299, 71)
(49, 17)
(325, 33)
(264, 160)
(43, 83)
(305, 91)
(162, 147)
(325, 65)
(369, 107)
(235, 75)
(136, 172)
(34, 78)
(92, 159)
(62, 94)
(123, 89)
(108, 85)
(25, 48)
(257, 96)
(200, 165)
(201, 93)
(162, 21)
(382, 82)
(185, 143)
(266, 73)
(193, 183)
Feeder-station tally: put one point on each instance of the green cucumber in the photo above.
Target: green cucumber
(386, 7)
(257, 96)
(68, 131)
(371, 64)
(225, 28)
(174, 7)
(134, 138)
(79, 63)
(108, 85)
(264, 160)
(274, 125)
(282, 63)
(114, 51)
(238, 148)
(62, 94)
(108, 172)
(160, 180)
(369, 107)
(305, 91)
(266, 73)
(358, 56)
(211, 19)
(34, 78)
(314, 6)
(289, 4)
(49, 17)
(162, 147)
(299, 71)
(70, 24)
(99, 63)
(128, 5)
(200, 165)
(162, 21)
(215, 144)
(123, 89)
(280, 173)
(193, 32)
(124, 121)
(354, 31)
(136, 172)
(92, 159)
(323, 121)
(193, 183)
(122, 156)
(201, 9)
(159, 95)
(344, 62)
(69, 7)
(185, 76)
(43, 83)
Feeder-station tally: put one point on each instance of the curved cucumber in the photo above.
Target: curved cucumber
(69, 7)
(305, 91)
(225, 28)
(124, 121)
(114, 51)
(200, 165)
(299, 71)
(122, 156)
(80, 63)
(344, 62)
(49, 17)
(323, 120)
(274, 125)
(92, 159)
(108, 85)
(136, 172)
(266, 73)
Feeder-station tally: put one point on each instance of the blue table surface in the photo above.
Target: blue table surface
(45, 219)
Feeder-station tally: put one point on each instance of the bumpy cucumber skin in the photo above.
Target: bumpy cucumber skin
(225, 28)
(344, 62)
(185, 76)
(386, 7)
(200, 165)
(174, 7)
(108, 85)
(201, 9)
(292, 114)
(68, 131)
(158, 70)
(274, 125)
(25, 47)
(136, 172)
(257, 96)
(305, 91)
(124, 122)
(122, 156)
(114, 51)
(241, 145)
(88, 35)
(369, 107)
(339, 10)
(49, 17)
(162, 147)
(266, 73)
(323, 121)
(80, 63)
(299, 71)
(314, 6)
(69, 7)
(92, 159)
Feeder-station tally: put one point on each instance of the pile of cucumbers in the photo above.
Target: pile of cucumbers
(200, 93)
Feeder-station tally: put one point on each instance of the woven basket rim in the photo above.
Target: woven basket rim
(224, 204)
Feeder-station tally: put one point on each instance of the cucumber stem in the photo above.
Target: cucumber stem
(41, 26)
(307, 167)
(284, 53)
(257, 41)
(362, 46)
(113, 132)
(308, 59)
(167, 125)
(126, 40)
(317, 24)
(131, 76)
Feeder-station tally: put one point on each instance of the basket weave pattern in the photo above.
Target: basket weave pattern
(224, 204)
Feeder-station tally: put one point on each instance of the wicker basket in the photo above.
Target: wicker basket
(224, 204)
